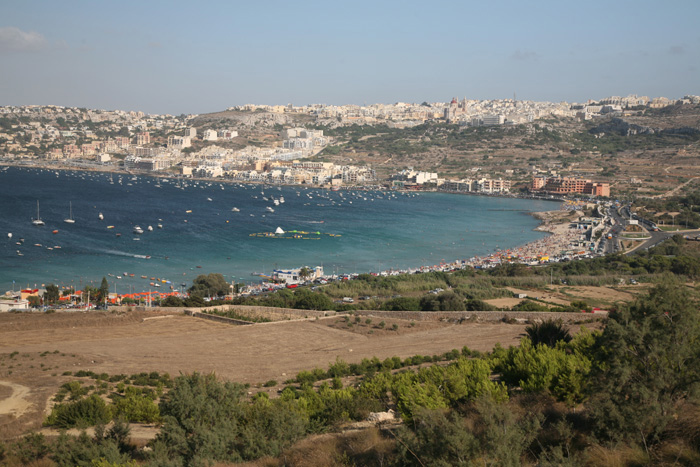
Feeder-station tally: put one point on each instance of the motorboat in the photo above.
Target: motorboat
(138, 230)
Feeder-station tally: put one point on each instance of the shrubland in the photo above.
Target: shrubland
(626, 395)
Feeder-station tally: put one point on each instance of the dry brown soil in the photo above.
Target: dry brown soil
(36, 349)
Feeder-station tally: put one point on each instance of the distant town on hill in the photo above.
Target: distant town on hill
(617, 146)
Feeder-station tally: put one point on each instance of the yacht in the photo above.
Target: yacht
(70, 219)
(38, 220)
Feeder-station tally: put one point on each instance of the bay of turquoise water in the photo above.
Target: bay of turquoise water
(201, 234)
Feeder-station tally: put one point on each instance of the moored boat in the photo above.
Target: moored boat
(70, 219)
(38, 220)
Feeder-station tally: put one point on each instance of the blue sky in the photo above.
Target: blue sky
(186, 57)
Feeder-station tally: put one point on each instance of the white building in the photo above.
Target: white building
(291, 276)
(209, 135)
(179, 142)
(487, 120)
(7, 305)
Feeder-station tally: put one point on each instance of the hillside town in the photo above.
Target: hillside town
(172, 146)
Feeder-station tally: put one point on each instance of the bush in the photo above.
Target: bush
(31, 448)
(445, 301)
(529, 305)
(136, 406)
(172, 301)
(401, 304)
(548, 333)
(82, 413)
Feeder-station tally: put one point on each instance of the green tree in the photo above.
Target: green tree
(210, 285)
(172, 301)
(305, 273)
(194, 301)
(439, 439)
(308, 300)
(31, 448)
(401, 304)
(80, 413)
(445, 301)
(52, 294)
(201, 418)
(504, 435)
(651, 364)
(104, 290)
(34, 300)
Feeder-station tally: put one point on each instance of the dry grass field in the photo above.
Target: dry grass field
(37, 349)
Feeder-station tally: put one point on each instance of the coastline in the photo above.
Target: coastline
(228, 181)
(554, 222)
(560, 241)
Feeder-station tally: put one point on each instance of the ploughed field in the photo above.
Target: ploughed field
(36, 349)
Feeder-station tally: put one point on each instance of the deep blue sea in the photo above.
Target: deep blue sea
(200, 233)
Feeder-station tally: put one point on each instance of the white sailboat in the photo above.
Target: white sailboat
(70, 219)
(38, 220)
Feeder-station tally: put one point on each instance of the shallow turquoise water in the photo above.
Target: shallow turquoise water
(374, 230)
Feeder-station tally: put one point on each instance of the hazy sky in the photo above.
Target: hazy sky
(195, 57)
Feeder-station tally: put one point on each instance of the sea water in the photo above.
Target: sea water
(349, 230)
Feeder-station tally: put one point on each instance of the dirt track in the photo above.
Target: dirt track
(16, 404)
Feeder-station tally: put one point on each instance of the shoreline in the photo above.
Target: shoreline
(559, 243)
(228, 181)
(554, 222)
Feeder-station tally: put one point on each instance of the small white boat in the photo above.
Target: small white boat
(9, 235)
(208, 199)
(100, 216)
(138, 230)
(269, 209)
(38, 220)
(160, 226)
(236, 210)
(150, 228)
(70, 219)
